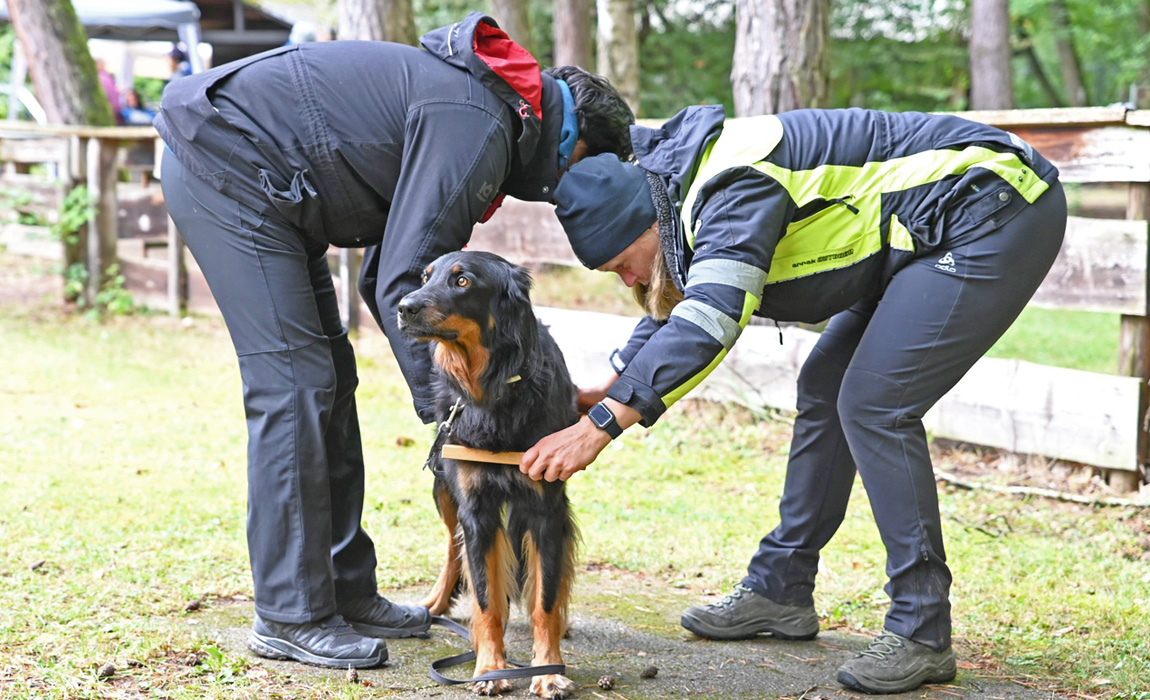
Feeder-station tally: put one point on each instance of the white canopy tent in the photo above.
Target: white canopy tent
(126, 20)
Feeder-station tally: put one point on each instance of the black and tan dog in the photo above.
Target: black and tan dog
(518, 537)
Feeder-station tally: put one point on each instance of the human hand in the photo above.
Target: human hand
(560, 455)
(588, 397)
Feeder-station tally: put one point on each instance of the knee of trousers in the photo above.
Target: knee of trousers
(868, 402)
(819, 382)
(276, 373)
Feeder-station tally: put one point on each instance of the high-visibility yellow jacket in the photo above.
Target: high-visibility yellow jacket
(798, 216)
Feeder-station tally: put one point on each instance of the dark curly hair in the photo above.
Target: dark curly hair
(604, 118)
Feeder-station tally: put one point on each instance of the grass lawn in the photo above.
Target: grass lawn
(122, 471)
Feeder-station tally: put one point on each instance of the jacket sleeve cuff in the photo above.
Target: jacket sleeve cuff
(617, 362)
(425, 410)
(640, 397)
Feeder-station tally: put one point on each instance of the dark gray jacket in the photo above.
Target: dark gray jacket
(376, 144)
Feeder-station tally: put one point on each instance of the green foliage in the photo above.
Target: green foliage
(7, 47)
(1113, 50)
(222, 668)
(24, 205)
(76, 210)
(150, 90)
(112, 299)
(681, 68)
(75, 277)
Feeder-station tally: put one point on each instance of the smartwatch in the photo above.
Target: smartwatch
(604, 420)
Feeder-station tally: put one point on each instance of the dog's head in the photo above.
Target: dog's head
(476, 307)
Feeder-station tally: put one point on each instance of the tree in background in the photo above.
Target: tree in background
(899, 55)
(362, 19)
(782, 55)
(617, 57)
(68, 87)
(377, 20)
(991, 76)
(1067, 54)
(62, 69)
(513, 18)
(571, 22)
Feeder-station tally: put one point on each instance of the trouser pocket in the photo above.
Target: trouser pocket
(297, 202)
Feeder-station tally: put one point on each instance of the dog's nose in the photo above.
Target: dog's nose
(409, 309)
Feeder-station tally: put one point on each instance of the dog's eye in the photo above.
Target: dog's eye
(423, 280)
(462, 281)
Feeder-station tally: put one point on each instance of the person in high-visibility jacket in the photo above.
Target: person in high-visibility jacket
(921, 237)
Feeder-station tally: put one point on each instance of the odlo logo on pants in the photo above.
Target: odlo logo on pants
(946, 263)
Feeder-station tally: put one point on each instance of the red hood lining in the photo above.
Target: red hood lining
(512, 62)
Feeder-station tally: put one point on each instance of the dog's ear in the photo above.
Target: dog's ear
(519, 284)
(516, 333)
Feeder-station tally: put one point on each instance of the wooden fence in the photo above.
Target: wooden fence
(1097, 419)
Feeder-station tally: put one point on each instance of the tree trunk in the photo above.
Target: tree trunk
(1076, 95)
(572, 23)
(59, 63)
(617, 58)
(782, 56)
(68, 87)
(512, 18)
(400, 22)
(991, 79)
(1142, 89)
(1026, 47)
(377, 20)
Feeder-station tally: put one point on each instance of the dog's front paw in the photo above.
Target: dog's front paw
(553, 687)
(491, 687)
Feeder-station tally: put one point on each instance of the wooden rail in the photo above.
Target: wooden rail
(86, 155)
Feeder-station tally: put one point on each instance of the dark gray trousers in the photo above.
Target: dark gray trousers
(877, 368)
(305, 461)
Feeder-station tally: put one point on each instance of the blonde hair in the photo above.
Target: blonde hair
(661, 296)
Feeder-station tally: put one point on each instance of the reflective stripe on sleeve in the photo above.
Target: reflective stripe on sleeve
(731, 273)
(717, 324)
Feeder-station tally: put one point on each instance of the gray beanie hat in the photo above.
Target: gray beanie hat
(603, 204)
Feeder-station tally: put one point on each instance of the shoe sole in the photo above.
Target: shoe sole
(932, 675)
(745, 631)
(273, 648)
(368, 630)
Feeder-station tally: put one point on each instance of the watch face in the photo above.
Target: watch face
(600, 415)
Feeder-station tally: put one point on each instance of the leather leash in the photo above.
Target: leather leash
(521, 670)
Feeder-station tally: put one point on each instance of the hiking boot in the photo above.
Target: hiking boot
(894, 664)
(331, 642)
(744, 614)
(376, 616)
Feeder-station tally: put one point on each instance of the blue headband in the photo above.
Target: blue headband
(569, 133)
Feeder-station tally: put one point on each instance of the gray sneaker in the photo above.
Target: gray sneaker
(894, 664)
(744, 614)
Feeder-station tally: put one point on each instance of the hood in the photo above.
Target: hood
(672, 150)
(534, 180)
(477, 45)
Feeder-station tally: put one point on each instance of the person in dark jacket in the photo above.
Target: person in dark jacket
(921, 237)
(273, 158)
